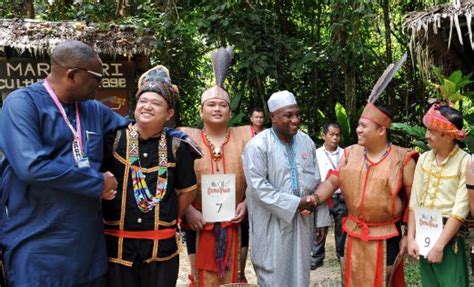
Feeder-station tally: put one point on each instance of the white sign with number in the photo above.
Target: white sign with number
(218, 197)
(429, 225)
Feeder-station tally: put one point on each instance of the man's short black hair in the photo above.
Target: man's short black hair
(327, 125)
(384, 110)
(256, 109)
(452, 115)
(72, 54)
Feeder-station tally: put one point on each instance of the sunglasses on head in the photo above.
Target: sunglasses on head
(97, 76)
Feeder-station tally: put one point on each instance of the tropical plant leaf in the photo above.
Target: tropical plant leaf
(469, 94)
(456, 76)
(437, 72)
(322, 115)
(447, 88)
(420, 146)
(235, 101)
(456, 97)
(469, 141)
(415, 131)
(463, 83)
(343, 121)
(236, 119)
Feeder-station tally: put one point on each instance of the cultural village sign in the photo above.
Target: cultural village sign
(116, 86)
(26, 45)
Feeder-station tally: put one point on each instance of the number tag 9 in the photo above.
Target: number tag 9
(427, 241)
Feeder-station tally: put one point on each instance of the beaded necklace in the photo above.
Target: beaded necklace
(145, 200)
(367, 160)
(217, 153)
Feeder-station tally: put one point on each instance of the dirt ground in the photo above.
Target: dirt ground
(328, 275)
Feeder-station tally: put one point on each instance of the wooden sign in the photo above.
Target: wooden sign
(114, 91)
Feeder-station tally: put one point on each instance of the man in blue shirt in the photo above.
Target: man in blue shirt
(51, 134)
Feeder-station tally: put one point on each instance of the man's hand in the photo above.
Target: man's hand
(435, 255)
(403, 245)
(307, 202)
(306, 212)
(413, 249)
(194, 218)
(320, 231)
(110, 186)
(109, 181)
(240, 212)
(109, 195)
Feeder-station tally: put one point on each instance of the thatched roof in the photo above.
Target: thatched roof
(40, 37)
(442, 36)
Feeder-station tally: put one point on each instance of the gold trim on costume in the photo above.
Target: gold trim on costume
(458, 217)
(120, 261)
(156, 226)
(115, 222)
(124, 199)
(188, 189)
(178, 250)
(119, 158)
(434, 174)
(438, 176)
(164, 223)
(162, 258)
(145, 170)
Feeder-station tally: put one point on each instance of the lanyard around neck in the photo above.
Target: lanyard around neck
(77, 131)
(328, 155)
(291, 161)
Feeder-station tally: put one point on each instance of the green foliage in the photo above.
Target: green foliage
(343, 121)
(237, 116)
(325, 52)
(450, 89)
(454, 90)
(412, 273)
(414, 133)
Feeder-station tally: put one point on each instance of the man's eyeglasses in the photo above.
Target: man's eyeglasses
(97, 76)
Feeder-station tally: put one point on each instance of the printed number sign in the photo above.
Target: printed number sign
(218, 197)
(429, 225)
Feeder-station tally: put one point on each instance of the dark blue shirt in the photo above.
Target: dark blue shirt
(52, 231)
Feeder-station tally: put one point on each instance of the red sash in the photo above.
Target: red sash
(146, 234)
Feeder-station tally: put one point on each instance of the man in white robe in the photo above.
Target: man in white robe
(281, 171)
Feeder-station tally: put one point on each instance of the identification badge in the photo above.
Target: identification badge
(218, 197)
(429, 225)
(294, 181)
(83, 163)
(76, 149)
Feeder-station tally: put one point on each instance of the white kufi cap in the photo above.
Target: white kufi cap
(280, 99)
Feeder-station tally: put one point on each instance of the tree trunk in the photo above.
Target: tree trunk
(317, 39)
(30, 9)
(121, 9)
(350, 96)
(348, 66)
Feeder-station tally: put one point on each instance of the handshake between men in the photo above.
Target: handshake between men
(308, 203)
